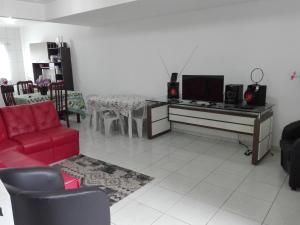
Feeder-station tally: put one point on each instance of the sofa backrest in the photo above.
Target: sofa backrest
(3, 133)
(18, 120)
(45, 115)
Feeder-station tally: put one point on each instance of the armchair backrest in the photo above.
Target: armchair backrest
(38, 179)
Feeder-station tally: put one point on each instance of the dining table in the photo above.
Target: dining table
(76, 103)
(124, 104)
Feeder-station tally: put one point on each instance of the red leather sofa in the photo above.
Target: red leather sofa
(32, 135)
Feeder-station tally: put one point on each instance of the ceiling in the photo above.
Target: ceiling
(7, 22)
(37, 1)
(140, 9)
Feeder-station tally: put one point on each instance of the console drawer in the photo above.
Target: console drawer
(159, 113)
(160, 126)
(213, 116)
(212, 123)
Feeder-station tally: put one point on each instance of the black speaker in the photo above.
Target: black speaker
(173, 90)
(256, 95)
(234, 94)
(174, 77)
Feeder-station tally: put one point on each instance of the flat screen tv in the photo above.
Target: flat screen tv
(208, 88)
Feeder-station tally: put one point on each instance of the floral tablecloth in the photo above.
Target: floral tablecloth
(76, 102)
(124, 104)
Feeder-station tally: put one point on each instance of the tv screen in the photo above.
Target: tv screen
(203, 88)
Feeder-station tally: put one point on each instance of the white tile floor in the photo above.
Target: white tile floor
(197, 181)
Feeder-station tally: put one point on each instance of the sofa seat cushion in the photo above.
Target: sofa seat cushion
(34, 142)
(9, 145)
(18, 120)
(45, 115)
(62, 135)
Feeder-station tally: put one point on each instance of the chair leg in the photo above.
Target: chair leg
(91, 119)
(122, 126)
(139, 124)
(107, 125)
(67, 118)
(97, 121)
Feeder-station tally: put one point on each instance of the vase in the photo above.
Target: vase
(43, 90)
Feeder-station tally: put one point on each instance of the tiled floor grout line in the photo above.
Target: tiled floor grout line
(157, 185)
(274, 200)
(224, 160)
(186, 194)
(183, 195)
(219, 209)
(175, 171)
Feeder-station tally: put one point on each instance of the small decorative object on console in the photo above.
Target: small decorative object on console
(255, 93)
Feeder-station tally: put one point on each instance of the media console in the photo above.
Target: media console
(256, 121)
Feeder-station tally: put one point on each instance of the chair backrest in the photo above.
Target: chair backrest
(25, 86)
(7, 92)
(141, 112)
(58, 94)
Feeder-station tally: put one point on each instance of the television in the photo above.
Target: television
(208, 88)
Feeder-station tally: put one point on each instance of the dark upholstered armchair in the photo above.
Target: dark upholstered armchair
(290, 153)
(38, 198)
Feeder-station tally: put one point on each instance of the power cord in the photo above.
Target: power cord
(248, 151)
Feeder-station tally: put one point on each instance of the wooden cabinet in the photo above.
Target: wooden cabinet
(53, 62)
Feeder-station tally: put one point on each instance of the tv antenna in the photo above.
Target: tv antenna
(164, 64)
(184, 66)
(189, 59)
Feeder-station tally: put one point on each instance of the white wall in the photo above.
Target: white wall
(123, 58)
(11, 39)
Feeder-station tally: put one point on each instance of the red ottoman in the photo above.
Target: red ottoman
(70, 182)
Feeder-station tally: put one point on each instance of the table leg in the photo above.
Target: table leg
(78, 117)
(130, 125)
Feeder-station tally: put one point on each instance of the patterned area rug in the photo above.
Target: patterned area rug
(116, 181)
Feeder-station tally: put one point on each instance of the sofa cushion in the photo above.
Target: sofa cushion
(3, 133)
(34, 142)
(18, 120)
(62, 135)
(45, 115)
(9, 145)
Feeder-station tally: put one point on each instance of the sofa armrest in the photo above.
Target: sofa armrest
(291, 132)
(86, 206)
(41, 179)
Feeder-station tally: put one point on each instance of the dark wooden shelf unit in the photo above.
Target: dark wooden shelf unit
(57, 60)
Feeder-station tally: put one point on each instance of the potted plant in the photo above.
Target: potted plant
(43, 84)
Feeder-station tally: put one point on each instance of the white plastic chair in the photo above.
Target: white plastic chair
(109, 117)
(100, 117)
(91, 111)
(139, 115)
